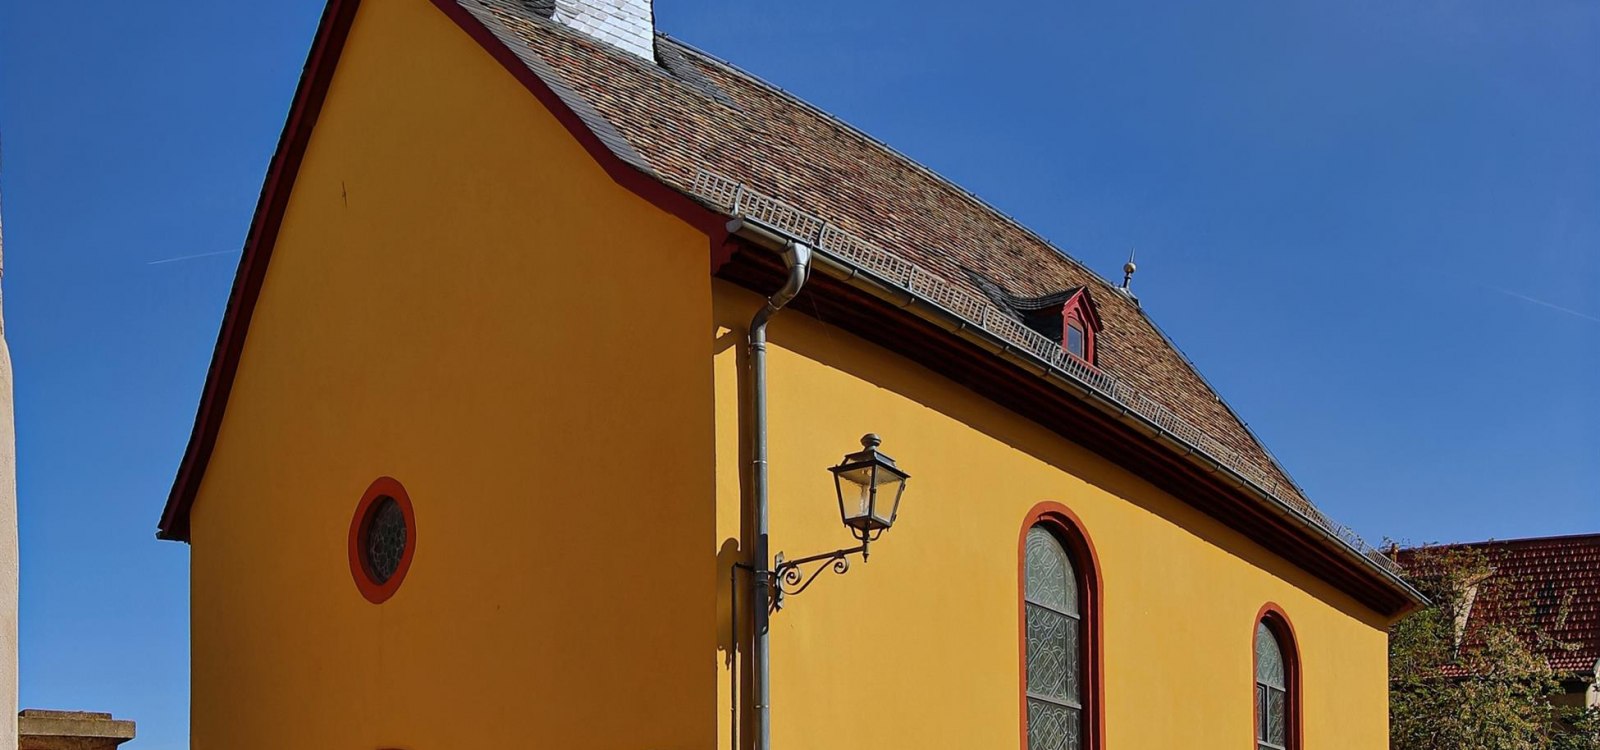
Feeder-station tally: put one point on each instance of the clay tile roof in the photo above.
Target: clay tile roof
(1547, 585)
(690, 111)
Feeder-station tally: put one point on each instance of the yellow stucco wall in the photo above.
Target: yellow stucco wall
(924, 635)
(462, 299)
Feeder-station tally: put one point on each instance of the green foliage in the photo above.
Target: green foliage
(1488, 692)
(1583, 731)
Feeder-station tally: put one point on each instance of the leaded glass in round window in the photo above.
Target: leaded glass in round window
(383, 539)
(386, 539)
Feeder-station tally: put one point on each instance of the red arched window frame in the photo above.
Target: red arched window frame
(1079, 312)
(1277, 621)
(382, 487)
(1069, 530)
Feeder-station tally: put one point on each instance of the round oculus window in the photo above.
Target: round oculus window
(382, 539)
(386, 539)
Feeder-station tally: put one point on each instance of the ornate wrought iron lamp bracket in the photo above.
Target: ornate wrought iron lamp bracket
(789, 576)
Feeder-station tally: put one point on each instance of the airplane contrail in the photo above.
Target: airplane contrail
(1551, 305)
(190, 257)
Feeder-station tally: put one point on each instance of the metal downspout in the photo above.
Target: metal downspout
(797, 257)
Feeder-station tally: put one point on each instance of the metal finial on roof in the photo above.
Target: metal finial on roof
(1127, 272)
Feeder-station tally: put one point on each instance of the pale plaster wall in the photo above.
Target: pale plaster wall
(8, 545)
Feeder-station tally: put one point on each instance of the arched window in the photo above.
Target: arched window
(1277, 698)
(1060, 643)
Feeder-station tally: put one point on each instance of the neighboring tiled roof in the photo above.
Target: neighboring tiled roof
(1549, 586)
(695, 112)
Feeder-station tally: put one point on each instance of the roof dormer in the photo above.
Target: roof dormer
(1080, 323)
(1068, 317)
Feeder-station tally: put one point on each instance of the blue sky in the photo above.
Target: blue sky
(1374, 225)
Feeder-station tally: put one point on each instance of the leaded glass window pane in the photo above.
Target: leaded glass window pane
(1272, 696)
(1051, 581)
(1261, 711)
(1053, 727)
(1054, 642)
(1275, 717)
(1269, 658)
(1052, 654)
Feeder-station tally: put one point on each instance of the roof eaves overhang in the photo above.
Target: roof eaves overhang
(1295, 536)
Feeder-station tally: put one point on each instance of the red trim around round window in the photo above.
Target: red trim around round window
(366, 582)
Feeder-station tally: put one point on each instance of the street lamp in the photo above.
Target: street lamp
(869, 486)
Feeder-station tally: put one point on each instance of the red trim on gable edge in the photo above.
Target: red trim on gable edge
(1084, 302)
(332, 33)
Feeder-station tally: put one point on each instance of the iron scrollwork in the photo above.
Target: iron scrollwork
(791, 578)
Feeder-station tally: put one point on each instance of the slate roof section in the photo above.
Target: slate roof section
(1547, 585)
(1042, 313)
(697, 112)
(1017, 306)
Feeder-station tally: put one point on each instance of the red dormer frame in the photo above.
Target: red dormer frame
(1078, 313)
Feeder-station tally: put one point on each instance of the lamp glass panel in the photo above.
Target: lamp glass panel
(888, 499)
(855, 491)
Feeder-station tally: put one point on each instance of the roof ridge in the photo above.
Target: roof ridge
(1015, 222)
(897, 153)
(1595, 535)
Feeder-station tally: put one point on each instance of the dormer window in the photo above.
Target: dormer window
(1079, 324)
(1077, 339)
(1067, 317)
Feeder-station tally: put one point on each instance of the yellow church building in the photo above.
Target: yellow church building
(536, 420)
